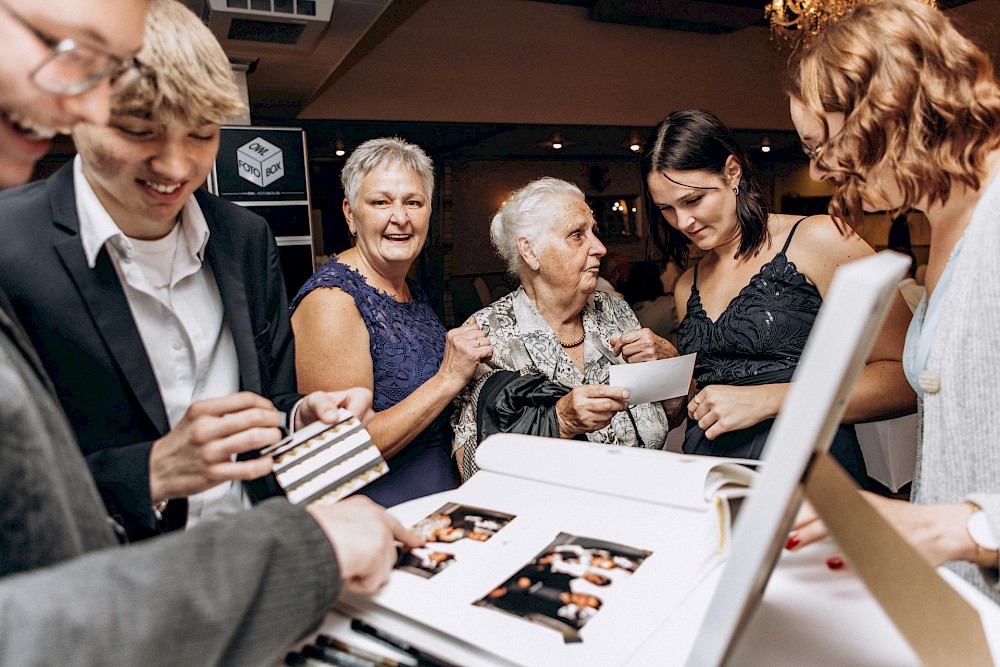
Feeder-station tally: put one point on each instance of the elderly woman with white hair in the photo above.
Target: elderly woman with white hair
(359, 321)
(556, 327)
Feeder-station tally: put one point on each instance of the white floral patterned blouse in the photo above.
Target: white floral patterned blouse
(523, 341)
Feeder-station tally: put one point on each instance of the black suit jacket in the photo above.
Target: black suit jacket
(79, 320)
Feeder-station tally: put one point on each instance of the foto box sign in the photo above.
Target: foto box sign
(260, 162)
(261, 165)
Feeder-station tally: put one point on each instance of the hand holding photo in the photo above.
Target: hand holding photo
(322, 463)
(651, 381)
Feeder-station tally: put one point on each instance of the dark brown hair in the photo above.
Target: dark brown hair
(695, 140)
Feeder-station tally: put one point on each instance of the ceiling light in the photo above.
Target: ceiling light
(795, 23)
(339, 148)
(765, 145)
(556, 140)
(634, 142)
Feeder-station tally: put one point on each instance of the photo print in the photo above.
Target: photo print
(454, 522)
(424, 561)
(451, 532)
(567, 583)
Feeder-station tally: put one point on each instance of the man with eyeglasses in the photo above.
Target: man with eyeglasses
(238, 591)
(153, 303)
(50, 83)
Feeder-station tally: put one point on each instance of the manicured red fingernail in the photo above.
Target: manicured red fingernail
(793, 541)
(835, 562)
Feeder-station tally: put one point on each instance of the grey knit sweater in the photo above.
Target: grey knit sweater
(958, 457)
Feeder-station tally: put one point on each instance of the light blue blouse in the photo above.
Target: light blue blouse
(921, 330)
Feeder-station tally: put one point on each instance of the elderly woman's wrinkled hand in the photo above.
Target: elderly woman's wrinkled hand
(589, 408)
(642, 345)
(465, 347)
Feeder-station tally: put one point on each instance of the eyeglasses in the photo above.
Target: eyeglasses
(71, 68)
(814, 153)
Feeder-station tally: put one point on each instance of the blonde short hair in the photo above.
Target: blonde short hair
(381, 153)
(189, 79)
(920, 102)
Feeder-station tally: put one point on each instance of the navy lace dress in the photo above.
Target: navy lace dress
(757, 340)
(407, 346)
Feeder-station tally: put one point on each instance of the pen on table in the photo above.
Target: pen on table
(423, 658)
(296, 659)
(333, 656)
(377, 660)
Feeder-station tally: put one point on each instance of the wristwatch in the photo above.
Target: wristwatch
(981, 533)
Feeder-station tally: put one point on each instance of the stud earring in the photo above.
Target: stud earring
(736, 190)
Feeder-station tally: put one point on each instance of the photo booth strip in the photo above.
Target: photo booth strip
(322, 463)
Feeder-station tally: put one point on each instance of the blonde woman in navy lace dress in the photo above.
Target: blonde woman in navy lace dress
(747, 307)
(360, 322)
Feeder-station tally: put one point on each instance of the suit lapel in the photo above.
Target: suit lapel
(228, 271)
(104, 297)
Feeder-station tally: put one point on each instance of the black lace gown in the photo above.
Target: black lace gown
(757, 340)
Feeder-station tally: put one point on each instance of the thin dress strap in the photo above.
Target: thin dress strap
(792, 233)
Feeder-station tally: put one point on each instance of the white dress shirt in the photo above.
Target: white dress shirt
(178, 310)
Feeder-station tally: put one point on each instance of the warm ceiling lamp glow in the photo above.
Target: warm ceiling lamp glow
(794, 23)
(339, 148)
(557, 140)
(635, 143)
(765, 145)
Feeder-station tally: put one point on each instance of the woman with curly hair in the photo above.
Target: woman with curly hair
(900, 111)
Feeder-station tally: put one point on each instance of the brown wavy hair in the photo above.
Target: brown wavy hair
(920, 102)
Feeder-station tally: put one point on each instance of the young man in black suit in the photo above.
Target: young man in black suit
(238, 591)
(153, 303)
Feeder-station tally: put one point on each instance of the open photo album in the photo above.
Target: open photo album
(538, 561)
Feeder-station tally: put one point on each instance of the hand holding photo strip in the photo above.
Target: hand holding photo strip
(322, 463)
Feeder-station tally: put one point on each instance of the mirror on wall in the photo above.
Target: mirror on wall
(616, 216)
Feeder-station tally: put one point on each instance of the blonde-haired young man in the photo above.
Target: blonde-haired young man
(159, 309)
(235, 592)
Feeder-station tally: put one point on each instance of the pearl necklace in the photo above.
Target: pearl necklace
(576, 343)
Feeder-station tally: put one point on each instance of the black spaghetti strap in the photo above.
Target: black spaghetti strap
(694, 280)
(792, 233)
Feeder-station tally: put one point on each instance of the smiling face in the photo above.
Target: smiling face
(390, 217)
(145, 171)
(699, 204)
(30, 116)
(568, 257)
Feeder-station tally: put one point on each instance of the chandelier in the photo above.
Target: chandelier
(794, 23)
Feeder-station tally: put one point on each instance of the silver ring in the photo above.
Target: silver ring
(697, 401)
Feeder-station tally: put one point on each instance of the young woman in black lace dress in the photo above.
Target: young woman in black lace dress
(748, 305)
